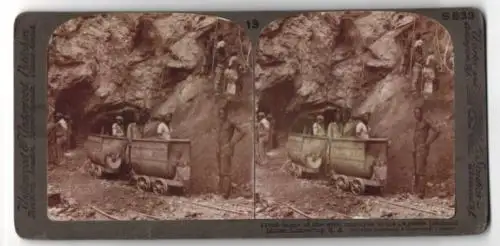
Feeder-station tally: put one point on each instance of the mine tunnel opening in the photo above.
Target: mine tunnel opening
(288, 110)
(83, 120)
(71, 102)
(275, 102)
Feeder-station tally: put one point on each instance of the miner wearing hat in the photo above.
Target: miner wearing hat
(61, 121)
(418, 63)
(134, 129)
(429, 74)
(117, 127)
(57, 138)
(263, 128)
(318, 126)
(349, 125)
(335, 127)
(219, 58)
(362, 129)
(164, 129)
(231, 76)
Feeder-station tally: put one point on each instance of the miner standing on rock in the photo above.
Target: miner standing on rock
(421, 144)
(226, 141)
(429, 74)
(117, 128)
(231, 77)
(418, 63)
(219, 58)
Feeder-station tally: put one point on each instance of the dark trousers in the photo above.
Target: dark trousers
(421, 155)
(225, 158)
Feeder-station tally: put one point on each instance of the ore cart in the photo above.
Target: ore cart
(160, 166)
(357, 164)
(352, 164)
(106, 154)
(306, 152)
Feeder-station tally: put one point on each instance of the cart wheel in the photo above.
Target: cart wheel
(98, 171)
(342, 183)
(290, 167)
(332, 178)
(95, 170)
(91, 169)
(143, 183)
(159, 187)
(357, 187)
(298, 171)
(133, 180)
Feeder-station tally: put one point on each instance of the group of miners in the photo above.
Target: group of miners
(342, 125)
(142, 126)
(228, 133)
(423, 64)
(424, 134)
(226, 70)
(61, 137)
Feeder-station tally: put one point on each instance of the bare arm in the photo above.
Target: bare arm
(435, 133)
(239, 131)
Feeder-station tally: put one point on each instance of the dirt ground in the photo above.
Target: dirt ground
(84, 197)
(280, 195)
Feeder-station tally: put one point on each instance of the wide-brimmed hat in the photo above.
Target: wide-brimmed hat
(418, 43)
(232, 60)
(119, 118)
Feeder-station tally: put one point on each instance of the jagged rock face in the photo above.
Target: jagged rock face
(103, 65)
(359, 60)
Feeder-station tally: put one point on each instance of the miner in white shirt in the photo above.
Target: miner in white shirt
(362, 129)
(117, 127)
(164, 130)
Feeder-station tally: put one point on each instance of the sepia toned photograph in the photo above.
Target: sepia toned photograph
(150, 118)
(354, 117)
